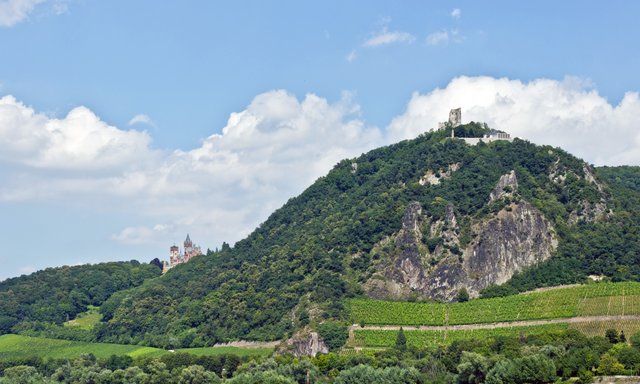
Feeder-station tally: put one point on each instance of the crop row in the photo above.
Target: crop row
(387, 338)
(584, 300)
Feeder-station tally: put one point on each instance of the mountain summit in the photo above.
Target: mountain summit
(421, 219)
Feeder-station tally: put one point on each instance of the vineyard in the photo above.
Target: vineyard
(597, 299)
(384, 338)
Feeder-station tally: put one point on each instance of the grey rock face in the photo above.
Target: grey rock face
(306, 344)
(507, 185)
(518, 236)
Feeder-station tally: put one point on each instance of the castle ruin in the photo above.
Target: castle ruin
(455, 119)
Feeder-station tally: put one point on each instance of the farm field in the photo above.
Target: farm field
(18, 346)
(584, 300)
(386, 338)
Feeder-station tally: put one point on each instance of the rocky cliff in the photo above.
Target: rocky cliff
(513, 238)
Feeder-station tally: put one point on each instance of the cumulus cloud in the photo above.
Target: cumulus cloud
(79, 141)
(265, 154)
(141, 119)
(386, 37)
(456, 13)
(569, 114)
(274, 148)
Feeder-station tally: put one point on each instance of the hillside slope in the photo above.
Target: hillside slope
(54, 295)
(439, 203)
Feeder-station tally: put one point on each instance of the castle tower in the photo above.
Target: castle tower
(174, 255)
(455, 117)
(188, 248)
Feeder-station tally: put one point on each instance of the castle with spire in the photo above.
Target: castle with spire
(176, 257)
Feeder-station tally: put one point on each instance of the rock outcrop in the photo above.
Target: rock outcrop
(518, 236)
(435, 177)
(507, 185)
(305, 344)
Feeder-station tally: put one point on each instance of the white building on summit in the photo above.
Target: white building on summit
(455, 119)
(175, 257)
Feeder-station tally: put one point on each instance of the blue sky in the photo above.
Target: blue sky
(128, 124)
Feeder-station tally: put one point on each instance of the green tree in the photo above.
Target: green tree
(401, 341)
(333, 333)
(609, 365)
(473, 368)
(612, 335)
(22, 374)
(463, 295)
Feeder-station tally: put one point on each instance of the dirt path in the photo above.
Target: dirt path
(509, 324)
(249, 344)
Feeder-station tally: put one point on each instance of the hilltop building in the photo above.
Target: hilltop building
(455, 119)
(176, 257)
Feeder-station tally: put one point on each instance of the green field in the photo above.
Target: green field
(384, 338)
(584, 300)
(86, 320)
(18, 346)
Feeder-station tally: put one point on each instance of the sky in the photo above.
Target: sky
(125, 125)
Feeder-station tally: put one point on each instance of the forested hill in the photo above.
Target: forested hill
(327, 243)
(55, 295)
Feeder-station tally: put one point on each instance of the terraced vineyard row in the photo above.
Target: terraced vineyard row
(384, 338)
(584, 300)
(599, 328)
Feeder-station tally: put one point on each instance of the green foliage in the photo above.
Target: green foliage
(473, 368)
(334, 334)
(56, 295)
(462, 296)
(612, 336)
(401, 341)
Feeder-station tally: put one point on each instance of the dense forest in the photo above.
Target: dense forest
(50, 297)
(297, 267)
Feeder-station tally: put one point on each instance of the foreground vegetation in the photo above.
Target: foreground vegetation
(596, 299)
(559, 356)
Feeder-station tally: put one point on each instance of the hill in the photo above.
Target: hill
(55, 295)
(424, 218)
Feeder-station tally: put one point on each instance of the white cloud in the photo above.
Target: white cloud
(14, 11)
(444, 37)
(569, 114)
(273, 149)
(385, 37)
(79, 141)
(352, 56)
(265, 154)
(141, 119)
(143, 235)
(456, 13)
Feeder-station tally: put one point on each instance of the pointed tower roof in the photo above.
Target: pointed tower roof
(187, 239)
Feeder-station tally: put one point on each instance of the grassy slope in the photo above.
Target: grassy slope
(86, 320)
(18, 346)
(585, 300)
